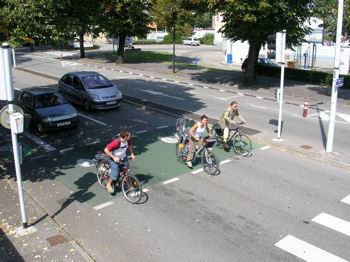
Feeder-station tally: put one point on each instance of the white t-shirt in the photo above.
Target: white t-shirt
(199, 131)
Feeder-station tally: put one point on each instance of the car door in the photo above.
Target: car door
(79, 91)
(66, 87)
(26, 102)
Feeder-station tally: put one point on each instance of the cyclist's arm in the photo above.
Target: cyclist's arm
(109, 153)
(131, 150)
(191, 131)
(227, 118)
(209, 132)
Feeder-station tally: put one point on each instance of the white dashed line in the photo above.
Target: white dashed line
(259, 97)
(190, 84)
(99, 122)
(93, 142)
(306, 251)
(225, 161)
(177, 82)
(161, 127)
(197, 171)
(103, 205)
(222, 90)
(66, 149)
(171, 181)
(260, 107)
(346, 200)
(265, 147)
(140, 132)
(334, 223)
(39, 141)
(205, 87)
(152, 76)
(164, 79)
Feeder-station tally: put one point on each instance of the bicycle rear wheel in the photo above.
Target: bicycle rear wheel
(209, 162)
(181, 152)
(103, 172)
(242, 145)
(131, 189)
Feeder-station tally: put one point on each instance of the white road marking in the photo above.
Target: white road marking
(161, 94)
(265, 147)
(130, 73)
(177, 82)
(99, 122)
(306, 251)
(121, 71)
(225, 98)
(171, 181)
(164, 79)
(277, 139)
(344, 116)
(140, 74)
(324, 116)
(152, 76)
(93, 142)
(103, 205)
(142, 131)
(66, 149)
(260, 107)
(197, 171)
(39, 141)
(259, 97)
(346, 200)
(205, 87)
(221, 90)
(334, 223)
(161, 127)
(225, 161)
(190, 84)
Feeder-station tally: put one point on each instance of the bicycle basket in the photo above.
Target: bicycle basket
(218, 129)
(181, 125)
(209, 142)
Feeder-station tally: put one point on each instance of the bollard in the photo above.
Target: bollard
(306, 105)
(61, 57)
(195, 60)
(13, 58)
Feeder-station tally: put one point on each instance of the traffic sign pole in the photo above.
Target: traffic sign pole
(10, 98)
(282, 42)
(334, 97)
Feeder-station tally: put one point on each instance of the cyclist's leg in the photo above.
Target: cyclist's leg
(226, 134)
(114, 174)
(192, 149)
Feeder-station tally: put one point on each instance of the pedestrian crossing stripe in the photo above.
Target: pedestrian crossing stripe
(334, 223)
(67, 63)
(324, 115)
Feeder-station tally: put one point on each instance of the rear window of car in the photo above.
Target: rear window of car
(48, 100)
(96, 81)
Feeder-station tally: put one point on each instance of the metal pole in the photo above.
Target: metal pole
(13, 57)
(331, 126)
(284, 32)
(10, 99)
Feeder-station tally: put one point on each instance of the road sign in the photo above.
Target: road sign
(5, 115)
(340, 82)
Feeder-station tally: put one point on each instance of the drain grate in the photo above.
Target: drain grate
(55, 240)
(306, 147)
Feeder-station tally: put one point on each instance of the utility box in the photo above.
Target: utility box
(17, 122)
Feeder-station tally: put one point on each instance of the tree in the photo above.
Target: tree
(327, 11)
(124, 18)
(173, 16)
(254, 20)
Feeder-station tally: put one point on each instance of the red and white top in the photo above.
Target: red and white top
(118, 148)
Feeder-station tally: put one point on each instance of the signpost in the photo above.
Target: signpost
(280, 50)
(15, 121)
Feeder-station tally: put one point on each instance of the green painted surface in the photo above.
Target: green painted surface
(155, 162)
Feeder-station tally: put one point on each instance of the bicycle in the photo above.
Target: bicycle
(209, 161)
(241, 143)
(130, 185)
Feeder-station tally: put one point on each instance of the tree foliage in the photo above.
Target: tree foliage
(124, 18)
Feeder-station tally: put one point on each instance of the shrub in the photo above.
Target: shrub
(207, 39)
(145, 42)
(308, 76)
(168, 39)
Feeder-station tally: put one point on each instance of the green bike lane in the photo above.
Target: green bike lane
(155, 163)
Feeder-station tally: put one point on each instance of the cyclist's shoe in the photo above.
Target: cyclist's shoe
(225, 145)
(189, 164)
(110, 188)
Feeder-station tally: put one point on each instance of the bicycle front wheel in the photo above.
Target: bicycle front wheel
(181, 152)
(217, 137)
(131, 189)
(242, 145)
(209, 162)
(103, 172)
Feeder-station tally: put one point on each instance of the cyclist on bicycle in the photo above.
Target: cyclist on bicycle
(196, 133)
(227, 119)
(116, 150)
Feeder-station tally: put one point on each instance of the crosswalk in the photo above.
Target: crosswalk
(309, 252)
(324, 115)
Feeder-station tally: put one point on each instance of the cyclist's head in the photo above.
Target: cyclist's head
(125, 134)
(234, 105)
(204, 119)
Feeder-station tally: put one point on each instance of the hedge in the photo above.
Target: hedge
(145, 42)
(308, 76)
(207, 39)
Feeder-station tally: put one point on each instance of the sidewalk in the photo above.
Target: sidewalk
(43, 240)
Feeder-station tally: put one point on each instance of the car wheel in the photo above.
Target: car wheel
(87, 105)
(39, 127)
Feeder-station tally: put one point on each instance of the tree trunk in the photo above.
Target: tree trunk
(174, 41)
(120, 51)
(254, 49)
(81, 43)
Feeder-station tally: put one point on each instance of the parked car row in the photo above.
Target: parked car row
(191, 41)
(50, 109)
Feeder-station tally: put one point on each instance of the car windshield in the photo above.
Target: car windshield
(48, 100)
(189, 38)
(96, 81)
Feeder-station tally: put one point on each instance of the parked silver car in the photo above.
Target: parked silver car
(90, 89)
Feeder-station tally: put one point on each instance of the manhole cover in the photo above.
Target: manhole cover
(85, 162)
(55, 240)
(306, 147)
(170, 140)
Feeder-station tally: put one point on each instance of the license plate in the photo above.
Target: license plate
(111, 102)
(64, 123)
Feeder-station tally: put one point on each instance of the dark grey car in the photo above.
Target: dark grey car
(90, 89)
